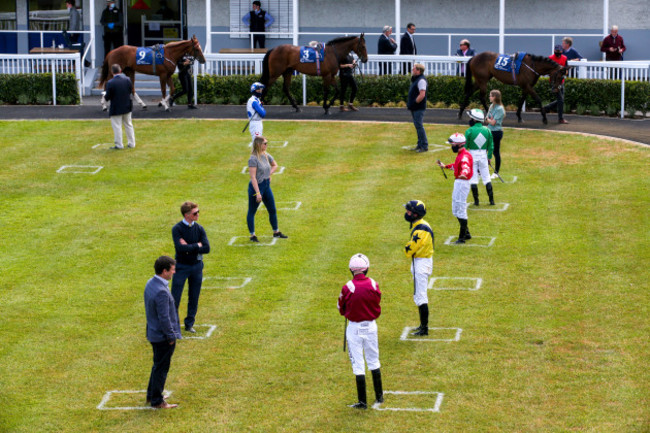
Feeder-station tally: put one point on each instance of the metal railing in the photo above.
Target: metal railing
(43, 64)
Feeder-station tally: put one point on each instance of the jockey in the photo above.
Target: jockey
(255, 110)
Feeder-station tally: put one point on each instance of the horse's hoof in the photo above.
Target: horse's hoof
(327, 112)
(545, 120)
(144, 107)
(104, 108)
(168, 110)
(160, 104)
(298, 110)
(520, 121)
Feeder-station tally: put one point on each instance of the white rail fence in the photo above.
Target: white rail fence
(43, 64)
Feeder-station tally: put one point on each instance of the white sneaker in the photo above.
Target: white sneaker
(494, 176)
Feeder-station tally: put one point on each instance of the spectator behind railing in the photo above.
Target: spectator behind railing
(613, 45)
(568, 50)
(386, 45)
(464, 51)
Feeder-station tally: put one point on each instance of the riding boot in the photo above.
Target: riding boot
(462, 234)
(488, 187)
(475, 194)
(361, 392)
(376, 382)
(424, 320)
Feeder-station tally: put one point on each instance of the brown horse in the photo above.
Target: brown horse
(125, 56)
(284, 59)
(481, 67)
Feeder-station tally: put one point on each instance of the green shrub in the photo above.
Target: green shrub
(611, 110)
(234, 99)
(581, 109)
(37, 88)
(594, 110)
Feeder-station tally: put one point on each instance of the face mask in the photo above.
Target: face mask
(455, 149)
(410, 218)
(111, 6)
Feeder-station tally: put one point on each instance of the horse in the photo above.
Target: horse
(284, 59)
(125, 56)
(481, 67)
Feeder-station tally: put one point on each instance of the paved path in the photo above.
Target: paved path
(634, 130)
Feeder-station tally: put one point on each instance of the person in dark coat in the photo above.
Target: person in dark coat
(386, 45)
(113, 22)
(464, 51)
(118, 91)
(258, 20)
(407, 47)
(185, 77)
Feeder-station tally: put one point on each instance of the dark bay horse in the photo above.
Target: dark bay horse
(125, 56)
(284, 59)
(481, 67)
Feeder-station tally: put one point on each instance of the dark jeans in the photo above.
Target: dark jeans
(194, 276)
(186, 82)
(406, 68)
(418, 118)
(162, 358)
(348, 80)
(559, 103)
(112, 40)
(496, 137)
(259, 41)
(269, 203)
(385, 68)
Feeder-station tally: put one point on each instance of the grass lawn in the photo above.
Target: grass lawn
(555, 339)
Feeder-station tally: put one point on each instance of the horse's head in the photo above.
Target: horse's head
(557, 76)
(361, 49)
(196, 50)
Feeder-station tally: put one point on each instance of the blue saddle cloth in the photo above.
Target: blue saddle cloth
(146, 55)
(504, 62)
(308, 54)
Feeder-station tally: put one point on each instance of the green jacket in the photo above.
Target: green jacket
(479, 137)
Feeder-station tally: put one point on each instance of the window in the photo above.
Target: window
(280, 10)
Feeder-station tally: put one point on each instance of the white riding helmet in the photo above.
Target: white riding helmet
(476, 114)
(456, 138)
(256, 86)
(359, 262)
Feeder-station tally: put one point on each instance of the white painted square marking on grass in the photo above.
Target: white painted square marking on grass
(102, 144)
(499, 207)
(280, 170)
(472, 242)
(467, 283)
(512, 180)
(435, 408)
(432, 147)
(248, 242)
(406, 336)
(109, 394)
(81, 169)
(225, 282)
(285, 205)
(211, 329)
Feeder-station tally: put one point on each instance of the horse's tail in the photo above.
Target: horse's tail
(104, 75)
(265, 69)
(468, 75)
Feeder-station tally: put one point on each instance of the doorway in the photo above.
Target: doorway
(150, 22)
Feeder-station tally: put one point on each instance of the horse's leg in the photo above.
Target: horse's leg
(286, 86)
(103, 102)
(333, 82)
(326, 90)
(520, 105)
(163, 90)
(131, 75)
(469, 91)
(539, 101)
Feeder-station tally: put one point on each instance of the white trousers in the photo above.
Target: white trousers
(459, 198)
(256, 129)
(116, 123)
(421, 269)
(480, 164)
(362, 338)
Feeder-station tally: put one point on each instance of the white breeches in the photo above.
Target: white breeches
(480, 165)
(116, 123)
(362, 338)
(256, 129)
(421, 269)
(459, 198)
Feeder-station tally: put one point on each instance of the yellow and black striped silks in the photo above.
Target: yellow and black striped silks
(421, 242)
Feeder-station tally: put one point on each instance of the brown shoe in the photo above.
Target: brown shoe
(165, 405)
(344, 108)
(563, 121)
(353, 108)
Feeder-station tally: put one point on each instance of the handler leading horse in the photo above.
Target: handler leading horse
(284, 59)
(481, 67)
(125, 56)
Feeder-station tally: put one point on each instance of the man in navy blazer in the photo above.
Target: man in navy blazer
(163, 328)
(386, 45)
(119, 90)
(407, 46)
(464, 51)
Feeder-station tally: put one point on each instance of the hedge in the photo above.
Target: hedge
(37, 89)
(605, 94)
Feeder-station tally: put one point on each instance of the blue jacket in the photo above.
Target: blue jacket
(469, 53)
(162, 318)
(118, 91)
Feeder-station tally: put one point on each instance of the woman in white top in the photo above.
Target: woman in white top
(261, 166)
(495, 117)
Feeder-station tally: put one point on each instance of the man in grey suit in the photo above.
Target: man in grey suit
(119, 90)
(163, 328)
(75, 21)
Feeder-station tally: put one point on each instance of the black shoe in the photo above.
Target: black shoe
(467, 236)
(116, 148)
(475, 203)
(491, 202)
(414, 149)
(191, 330)
(460, 241)
(420, 150)
(254, 238)
(420, 332)
(358, 406)
(280, 235)
(192, 107)
(379, 400)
